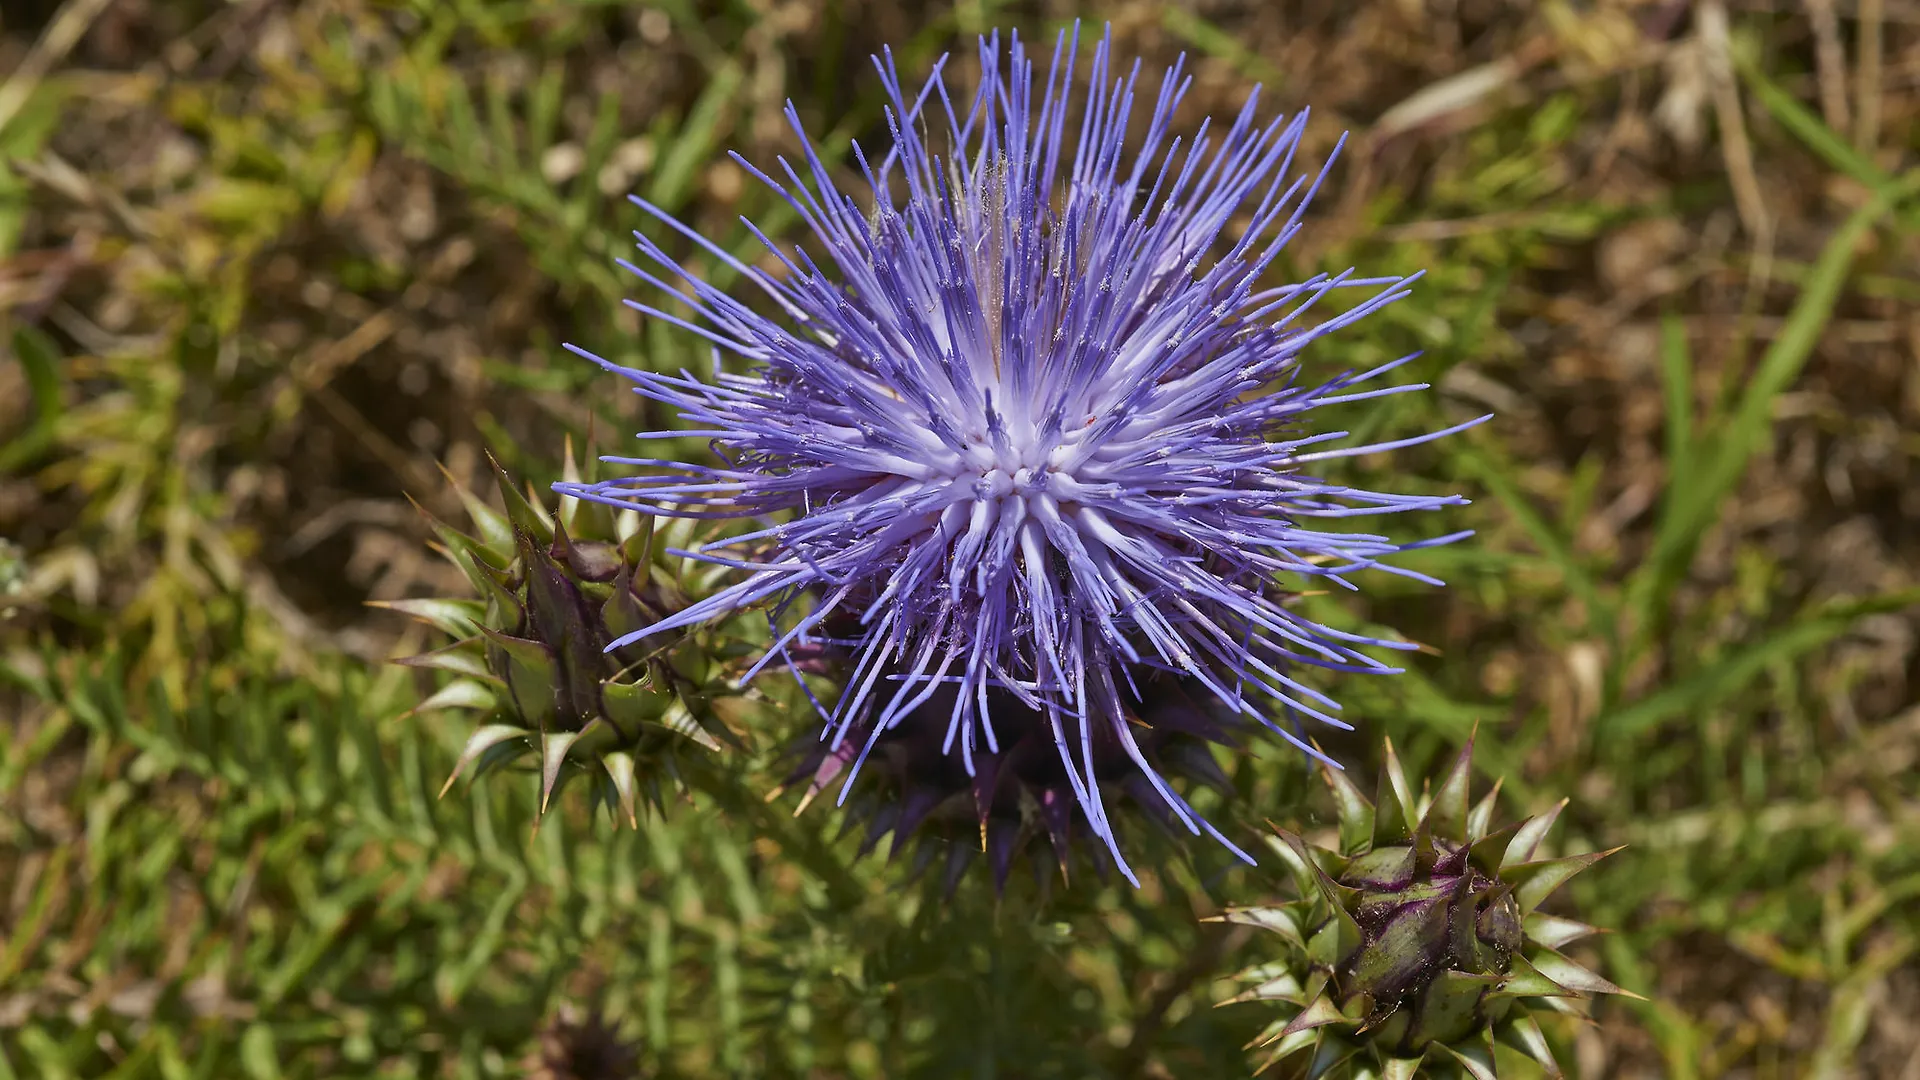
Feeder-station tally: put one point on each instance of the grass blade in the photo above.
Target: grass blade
(693, 145)
(1727, 677)
(1745, 431)
(1824, 141)
(1676, 383)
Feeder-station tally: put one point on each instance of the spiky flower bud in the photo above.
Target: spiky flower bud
(1420, 938)
(532, 653)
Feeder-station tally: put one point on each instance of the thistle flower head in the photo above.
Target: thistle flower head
(1419, 941)
(1032, 418)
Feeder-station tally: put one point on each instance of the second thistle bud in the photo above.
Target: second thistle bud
(1419, 938)
(555, 590)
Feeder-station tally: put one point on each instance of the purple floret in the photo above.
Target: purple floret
(1033, 424)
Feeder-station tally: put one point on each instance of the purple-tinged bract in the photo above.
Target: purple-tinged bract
(1002, 803)
(1033, 420)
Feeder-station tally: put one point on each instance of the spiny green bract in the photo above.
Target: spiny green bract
(1419, 941)
(532, 653)
(581, 1044)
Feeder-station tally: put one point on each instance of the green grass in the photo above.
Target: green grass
(262, 266)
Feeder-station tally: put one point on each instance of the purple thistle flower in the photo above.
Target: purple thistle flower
(1034, 425)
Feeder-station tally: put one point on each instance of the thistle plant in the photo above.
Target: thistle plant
(533, 652)
(1033, 418)
(1419, 939)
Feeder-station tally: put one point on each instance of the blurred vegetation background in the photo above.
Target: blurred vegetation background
(264, 263)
